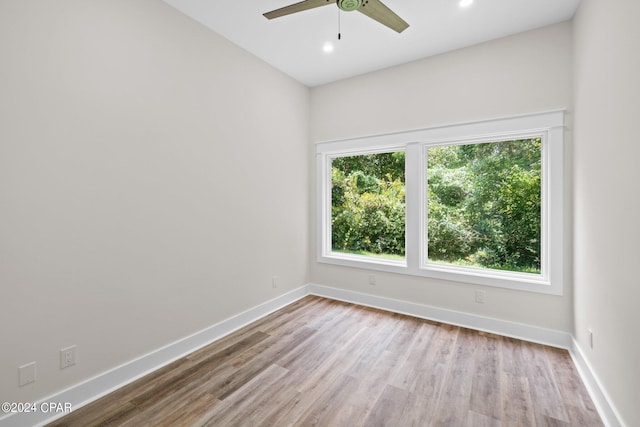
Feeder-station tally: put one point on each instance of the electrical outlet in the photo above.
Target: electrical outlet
(67, 357)
(274, 282)
(372, 280)
(480, 297)
(27, 374)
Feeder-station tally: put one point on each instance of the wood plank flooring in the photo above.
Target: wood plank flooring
(320, 362)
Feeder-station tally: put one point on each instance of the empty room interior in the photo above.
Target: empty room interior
(188, 208)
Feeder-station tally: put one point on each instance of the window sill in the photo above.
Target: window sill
(466, 275)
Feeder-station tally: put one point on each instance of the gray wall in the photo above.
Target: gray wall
(606, 197)
(152, 180)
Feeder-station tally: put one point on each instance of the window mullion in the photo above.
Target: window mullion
(414, 212)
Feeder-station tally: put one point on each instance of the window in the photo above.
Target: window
(478, 203)
(484, 205)
(368, 205)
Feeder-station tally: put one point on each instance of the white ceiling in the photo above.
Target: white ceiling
(294, 43)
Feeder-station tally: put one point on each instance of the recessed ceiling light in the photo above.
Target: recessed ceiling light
(328, 47)
(465, 3)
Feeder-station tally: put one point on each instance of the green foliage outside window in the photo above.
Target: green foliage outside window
(368, 209)
(484, 205)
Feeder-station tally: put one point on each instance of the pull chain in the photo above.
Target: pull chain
(339, 35)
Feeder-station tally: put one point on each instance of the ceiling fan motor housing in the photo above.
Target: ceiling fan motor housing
(349, 5)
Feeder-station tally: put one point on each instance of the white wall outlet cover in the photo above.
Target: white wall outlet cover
(27, 374)
(67, 357)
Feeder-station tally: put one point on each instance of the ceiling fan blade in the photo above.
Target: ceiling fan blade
(376, 10)
(298, 7)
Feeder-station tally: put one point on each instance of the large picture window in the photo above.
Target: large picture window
(478, 203)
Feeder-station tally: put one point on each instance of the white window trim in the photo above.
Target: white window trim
(549, 125)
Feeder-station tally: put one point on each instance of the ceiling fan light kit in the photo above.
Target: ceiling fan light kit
(374, 9)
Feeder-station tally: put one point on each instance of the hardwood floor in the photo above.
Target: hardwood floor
(320, 362)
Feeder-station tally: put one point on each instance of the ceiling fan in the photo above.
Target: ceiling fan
(374, 9)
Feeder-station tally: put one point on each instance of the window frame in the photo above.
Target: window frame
(549, 126)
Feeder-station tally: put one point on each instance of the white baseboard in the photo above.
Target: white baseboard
(100, 385)
(96, 387)
(457, 318)
(608, 413)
